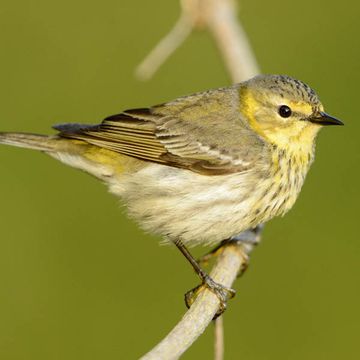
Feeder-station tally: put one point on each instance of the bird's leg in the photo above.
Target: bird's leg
(249, 238)
(204, 260)
(221, 291)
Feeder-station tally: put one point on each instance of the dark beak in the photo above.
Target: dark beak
(324, 119)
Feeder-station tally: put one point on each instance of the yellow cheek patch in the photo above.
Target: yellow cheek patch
(247, 106)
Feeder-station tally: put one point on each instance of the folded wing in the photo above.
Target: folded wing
(202, 132)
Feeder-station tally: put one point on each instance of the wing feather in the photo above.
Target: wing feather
(203, 132)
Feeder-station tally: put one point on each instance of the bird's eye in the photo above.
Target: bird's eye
(284, 111)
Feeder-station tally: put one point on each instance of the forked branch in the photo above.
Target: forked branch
(219, 18)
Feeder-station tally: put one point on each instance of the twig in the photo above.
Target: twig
(231, 40)
(219, 17)
(219, 339)
(202, 311)
(164, 48)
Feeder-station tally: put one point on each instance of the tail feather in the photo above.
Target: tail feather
(29, 141)
(79, 154)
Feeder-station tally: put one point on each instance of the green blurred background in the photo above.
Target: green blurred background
(80, 281)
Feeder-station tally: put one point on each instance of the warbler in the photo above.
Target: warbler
(204, 167)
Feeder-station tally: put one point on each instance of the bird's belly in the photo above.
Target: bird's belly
(197, 209)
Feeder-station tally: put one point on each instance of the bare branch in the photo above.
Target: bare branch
(231, 40)
(202, 311)
(219, 339)
(164, 48)
(219, 17)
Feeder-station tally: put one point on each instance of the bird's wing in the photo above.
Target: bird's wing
(203, 132)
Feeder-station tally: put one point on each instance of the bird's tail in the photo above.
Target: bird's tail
(73, 152)
(31, 141)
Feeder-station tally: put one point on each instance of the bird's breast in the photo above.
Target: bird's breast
(283, 185)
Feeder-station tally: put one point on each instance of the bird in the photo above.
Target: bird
(204, 167)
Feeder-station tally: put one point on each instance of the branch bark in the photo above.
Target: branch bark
(219, 18)
(219, 338)
(202, 311)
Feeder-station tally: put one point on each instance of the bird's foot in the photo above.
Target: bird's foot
(205, 259)
(248, 238)
(222, 292)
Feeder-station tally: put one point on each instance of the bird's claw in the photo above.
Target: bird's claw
(222, 292)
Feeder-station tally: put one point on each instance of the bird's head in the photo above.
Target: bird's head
(283, 110)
